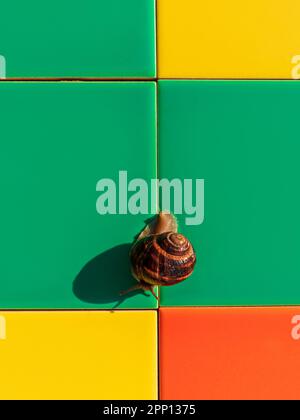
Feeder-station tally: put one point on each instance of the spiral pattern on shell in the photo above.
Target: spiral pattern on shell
(164, 259)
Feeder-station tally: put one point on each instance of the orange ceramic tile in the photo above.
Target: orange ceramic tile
(230, 353)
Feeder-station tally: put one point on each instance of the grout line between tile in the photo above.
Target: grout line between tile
(230, 306)
(226, 79)
(77, 79)
(158, 355)
(78, 310)
(139, 80)
(156, 39)
(158, 203)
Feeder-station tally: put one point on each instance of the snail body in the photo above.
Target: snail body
(161, 256)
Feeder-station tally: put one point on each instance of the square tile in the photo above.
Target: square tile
(241, 139)
(76, 355)
(230, 353)
(95, 39)
(232, 39)
(58, 140)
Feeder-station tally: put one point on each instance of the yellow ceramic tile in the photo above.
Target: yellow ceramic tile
(78, 355)
(228, 39)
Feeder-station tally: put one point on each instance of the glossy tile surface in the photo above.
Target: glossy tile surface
(96, 39)
(241, 138)
(230, 353)
(78, 355)
(228, 39)
(58, 140)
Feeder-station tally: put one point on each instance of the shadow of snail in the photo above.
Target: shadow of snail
(159, 256)
(103, 278)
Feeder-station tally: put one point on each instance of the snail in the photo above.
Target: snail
(161, 256)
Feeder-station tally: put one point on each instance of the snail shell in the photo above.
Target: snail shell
(161, 256)
(164, 259)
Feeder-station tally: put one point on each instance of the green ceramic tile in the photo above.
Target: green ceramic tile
(97, 39)
(57, 141)
(242, 138)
